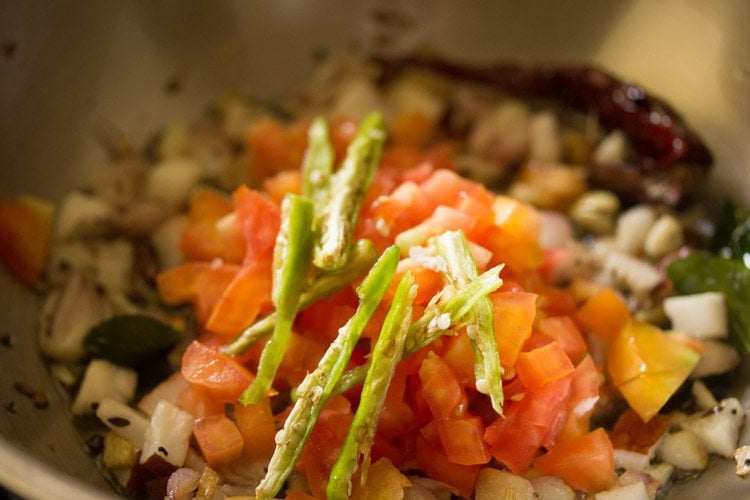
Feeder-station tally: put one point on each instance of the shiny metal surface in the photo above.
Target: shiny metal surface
(65, 66)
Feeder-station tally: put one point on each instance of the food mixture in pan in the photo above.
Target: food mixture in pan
(409, 279)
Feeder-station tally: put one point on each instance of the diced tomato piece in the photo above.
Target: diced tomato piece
(220, 375)
(442, 219)
(201, 283)
(274, 148)
(446, 187)
(543, 365)
(382, 447)
(219, 440)
(301, 356)
(463, 440)
(564, 330)
(197, 401)
(413, 128)
(520, 255)
(517, 219)
(459, 355)
(323, 318)
(326, 439)
(533, 421)
(25, 236)
(419, 174)
(632, 433)
(440, 388)
(514, 317)
(442, 155)
(648, 365)
(258, 429)
(211, 232)
(429, 282)
(586, 463)
(433, 461)
(584, 394)
(283, 183)
(242, 300)
(259, 219)
(604, 314)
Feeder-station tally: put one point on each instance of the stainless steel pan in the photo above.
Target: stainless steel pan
(65, 66)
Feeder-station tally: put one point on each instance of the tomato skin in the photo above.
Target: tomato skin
(433, 461)
(219, 439)
(217, 373)
(586, 463)
(514, 314)
(604, 314)
(258, 429)
(25, 237)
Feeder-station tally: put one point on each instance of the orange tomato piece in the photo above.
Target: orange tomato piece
(604, 314)
(586, 463)
(217, 373)
(274, 147)
(25, 236)
(283, 183)
(543, 365)
(648, 365)
(219, 439)
(517, 219)
(258, 429)
(514, 314)
(201, 283)
(239, 305)
(209, 234)
(459, 355)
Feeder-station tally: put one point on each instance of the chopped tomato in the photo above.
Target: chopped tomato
(543, 365)
(201, 283)
(197, 401)
(519, 220)
(442, 219)
(400, 157)
(632, 433)
(283, 183)
(242, 300)
(326, 439)
(441, 389)
(259, 219)
(274, 147)
(514, 314)
(429, 282)
(446, 187)
(604, 314)
(586, 463)
(462, 440)
(25, 236)
(433, 461)
(584, 394)
(219, 439)
(211, 231)
(648, 365)
(301, 356)
(564, 330)
(459, 355)
(535, 420)
(323, 318)
(217, 373)
(258, 429)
